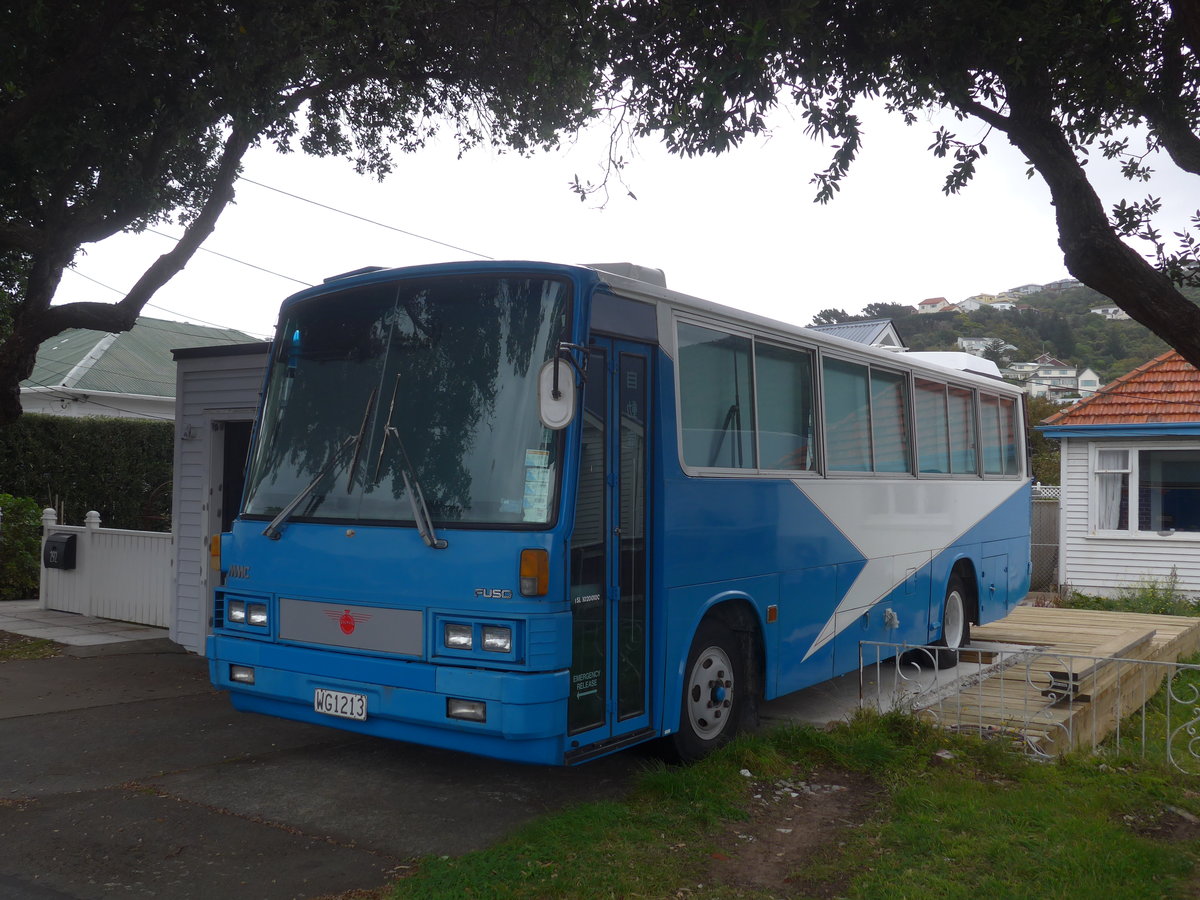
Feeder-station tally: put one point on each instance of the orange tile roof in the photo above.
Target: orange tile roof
(1164, 390)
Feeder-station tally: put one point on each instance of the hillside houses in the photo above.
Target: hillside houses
(934, 305)
(977, 345)
(1085, 338)
(1049, 377)
(1005, 300)
(1110, 312)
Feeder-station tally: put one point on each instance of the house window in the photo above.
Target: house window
(1112, 490)
(1169, 490)
(1153, 490)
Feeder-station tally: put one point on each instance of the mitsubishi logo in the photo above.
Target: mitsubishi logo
(347, 621)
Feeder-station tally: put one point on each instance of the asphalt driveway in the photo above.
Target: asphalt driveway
(127, 774)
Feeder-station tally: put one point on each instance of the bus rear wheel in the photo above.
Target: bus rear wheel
(956, 626)
(712, 703)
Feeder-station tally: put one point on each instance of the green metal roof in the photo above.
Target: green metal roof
(137, 361)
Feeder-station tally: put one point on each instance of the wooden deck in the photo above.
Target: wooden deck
(1060, 679)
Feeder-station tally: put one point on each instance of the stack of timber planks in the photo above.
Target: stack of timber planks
(1045, 695)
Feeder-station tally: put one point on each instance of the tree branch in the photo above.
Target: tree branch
(1163, 106)
(20, 237)
(1092, 251)
(1185, 14)
(122, 315)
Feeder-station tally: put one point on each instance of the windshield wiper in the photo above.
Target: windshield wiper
(412, 487)
(358, 440)
(272, 530)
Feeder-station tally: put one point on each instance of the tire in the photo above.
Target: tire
(956, 624)
(715, 693)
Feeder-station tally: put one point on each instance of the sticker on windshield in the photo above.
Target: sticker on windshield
(539, 459)
(536, 500)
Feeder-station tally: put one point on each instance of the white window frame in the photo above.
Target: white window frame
(1131, 532)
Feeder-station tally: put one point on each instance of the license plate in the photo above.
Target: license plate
(340, 703)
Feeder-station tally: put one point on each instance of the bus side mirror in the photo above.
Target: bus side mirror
(556, 393)
(557, 385)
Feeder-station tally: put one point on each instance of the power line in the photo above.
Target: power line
(164, 309)
(343, 212)
(173, 312)
(61, 396)
(235, 259)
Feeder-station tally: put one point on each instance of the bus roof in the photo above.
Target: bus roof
(972, 368)
(648, 284)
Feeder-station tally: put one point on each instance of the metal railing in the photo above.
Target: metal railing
(1043, 701)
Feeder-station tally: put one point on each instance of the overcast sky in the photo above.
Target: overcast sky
(739, 229)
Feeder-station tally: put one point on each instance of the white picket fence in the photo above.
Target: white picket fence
(118, 574)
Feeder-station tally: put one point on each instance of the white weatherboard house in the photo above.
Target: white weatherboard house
(1131, 481)
(216, 396)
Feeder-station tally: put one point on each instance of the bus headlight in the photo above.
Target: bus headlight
(497, 638)
(236, 611)
(256, 614)
(457, 636)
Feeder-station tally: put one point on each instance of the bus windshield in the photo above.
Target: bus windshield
(425, 385)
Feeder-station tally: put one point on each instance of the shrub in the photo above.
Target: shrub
(119, 467)
(20, 546)
(1162, 598)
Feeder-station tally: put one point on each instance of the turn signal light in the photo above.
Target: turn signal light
(535, 573)
(214, 552)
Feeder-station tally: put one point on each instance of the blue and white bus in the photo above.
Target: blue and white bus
(543, 512)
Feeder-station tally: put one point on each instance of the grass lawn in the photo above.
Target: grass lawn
(882, 806)
(16, 646)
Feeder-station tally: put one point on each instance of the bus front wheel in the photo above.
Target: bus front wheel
(956, 626)
(713, 688)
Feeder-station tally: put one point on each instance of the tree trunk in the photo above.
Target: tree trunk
(1091, 248)
(36, 320)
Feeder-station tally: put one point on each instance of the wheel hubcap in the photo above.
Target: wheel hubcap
(953, 620)
(710, 693)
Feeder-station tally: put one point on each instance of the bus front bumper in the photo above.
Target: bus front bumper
(523, 714)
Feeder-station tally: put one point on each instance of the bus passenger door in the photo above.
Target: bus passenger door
(610, 684)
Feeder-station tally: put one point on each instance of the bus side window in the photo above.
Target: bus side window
(847, 416)
(889, 422)
(993, 449)
(785, 408)
(933, 437)
(964, 455)
(716, 398)
(1008, 436)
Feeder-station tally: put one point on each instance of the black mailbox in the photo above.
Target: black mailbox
(59, 552)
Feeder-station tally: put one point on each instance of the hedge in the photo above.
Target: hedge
(20, 544)
(119, 467)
